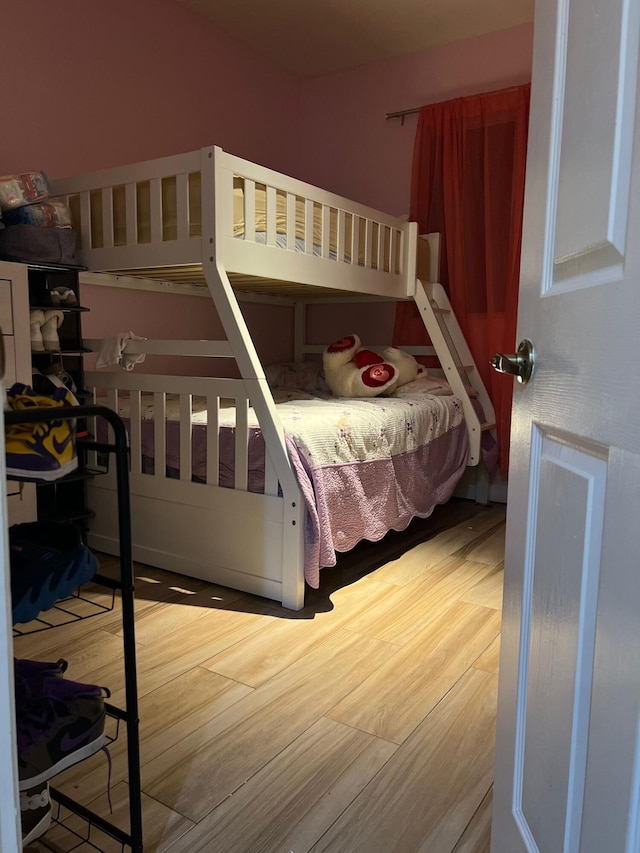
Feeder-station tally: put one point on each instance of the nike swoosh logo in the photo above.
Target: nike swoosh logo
(70, 744)
(59, 446)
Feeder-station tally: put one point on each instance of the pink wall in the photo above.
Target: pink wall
(88, 85)
(97, 85)
(176, 317)
(351, 149)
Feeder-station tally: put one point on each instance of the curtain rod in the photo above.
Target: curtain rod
(402, 113)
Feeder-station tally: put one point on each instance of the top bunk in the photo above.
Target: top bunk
(190, 217)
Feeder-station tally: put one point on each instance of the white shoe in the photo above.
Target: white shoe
(36, 319)
(50, 325)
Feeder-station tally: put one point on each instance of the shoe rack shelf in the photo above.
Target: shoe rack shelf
(66, 499)
(125, 586)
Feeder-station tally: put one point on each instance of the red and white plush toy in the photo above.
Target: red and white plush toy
(354, 372)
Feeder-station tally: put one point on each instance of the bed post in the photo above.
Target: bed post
(214, 171)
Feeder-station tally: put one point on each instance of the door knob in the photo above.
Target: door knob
(520, 364)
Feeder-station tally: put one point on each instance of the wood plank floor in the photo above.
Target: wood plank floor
(365, 722)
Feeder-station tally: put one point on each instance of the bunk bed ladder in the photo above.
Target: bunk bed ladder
(455, 357)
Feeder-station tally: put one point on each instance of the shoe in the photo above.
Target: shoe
(58, 376)
(50, 324)
(44, 450)
(35, 812)
(36, 319)
(48, 561)
(61, 727)
(62, 296)
(35, 671)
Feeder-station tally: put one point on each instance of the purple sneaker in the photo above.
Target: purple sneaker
(61, 727)
(29, 675)
(37, 671)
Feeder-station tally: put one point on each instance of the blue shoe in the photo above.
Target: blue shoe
(48, 561)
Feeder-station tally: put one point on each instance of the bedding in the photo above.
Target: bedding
(364, 466)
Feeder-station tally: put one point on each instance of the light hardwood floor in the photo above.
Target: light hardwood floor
(365, 722)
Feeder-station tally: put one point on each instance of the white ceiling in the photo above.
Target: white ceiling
(309, 37)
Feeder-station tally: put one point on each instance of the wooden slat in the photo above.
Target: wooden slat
(131, 206)
(213, 448)
(186, 436)
(308, 227)
(271, 216)
(291, 221)
(112, 403)
(393, 253)
(107, 217)
(182, 206)
(155, 212)
(135, 430)
(85, 220)
(249, 211)
(159, 434)
(242, 445)
(355, 239)
(340, 239)
(326, 231)
(368, 243)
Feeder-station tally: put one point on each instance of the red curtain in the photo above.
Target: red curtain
(468, 184)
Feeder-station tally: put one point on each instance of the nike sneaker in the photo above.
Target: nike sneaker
(48, 561)
(45, 450)
(58, 728)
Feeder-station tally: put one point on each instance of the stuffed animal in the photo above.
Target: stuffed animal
(406, 365)
(354, 372)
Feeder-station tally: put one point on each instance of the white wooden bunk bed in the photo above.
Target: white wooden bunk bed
(211, 219)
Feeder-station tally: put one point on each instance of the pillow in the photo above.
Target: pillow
(429, 385)
(423, 385)
(302, 375)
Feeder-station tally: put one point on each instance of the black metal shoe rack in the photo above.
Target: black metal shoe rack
(133, 839)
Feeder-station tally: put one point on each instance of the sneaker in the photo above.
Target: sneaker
(61, 727)
(48, 562)
(35, 812)
(44, 450)
(35, 671)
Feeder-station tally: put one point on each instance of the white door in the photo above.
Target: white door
(568, 749)
(10, 836)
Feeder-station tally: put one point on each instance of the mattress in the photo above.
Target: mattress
(364, 467)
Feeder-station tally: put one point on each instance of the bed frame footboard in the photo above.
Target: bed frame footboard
(192, 524)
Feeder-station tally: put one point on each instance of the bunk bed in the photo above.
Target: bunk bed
(211, 219)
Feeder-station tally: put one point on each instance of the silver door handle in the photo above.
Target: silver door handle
(519, 364)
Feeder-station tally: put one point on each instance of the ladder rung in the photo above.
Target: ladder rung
(487, 426)
(440, 310)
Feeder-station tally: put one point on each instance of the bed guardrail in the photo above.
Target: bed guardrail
(150, 215)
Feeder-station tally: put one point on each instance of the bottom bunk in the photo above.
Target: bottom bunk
(206, 499)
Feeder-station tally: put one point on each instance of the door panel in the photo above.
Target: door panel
(596, 135)
(567, 767)
(557, 636)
